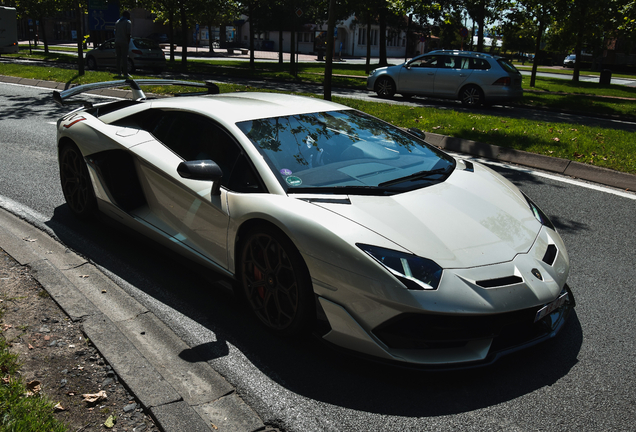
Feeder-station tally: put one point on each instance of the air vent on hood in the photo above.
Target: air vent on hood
(469, 166)
(499, 282)
(550, 255)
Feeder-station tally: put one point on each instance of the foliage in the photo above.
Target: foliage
(21, 409)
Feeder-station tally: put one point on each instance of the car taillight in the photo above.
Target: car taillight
(138, 52)
(503, 81)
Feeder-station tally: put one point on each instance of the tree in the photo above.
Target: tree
(538, 13)
(586, 23)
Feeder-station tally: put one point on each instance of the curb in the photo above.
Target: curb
(180, 395)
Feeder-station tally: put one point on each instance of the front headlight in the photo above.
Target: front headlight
(414, 272)
(538, 213)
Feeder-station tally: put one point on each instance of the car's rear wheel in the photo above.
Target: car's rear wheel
(91, 63)
(385, 87)
(131, 66)
(275, 281)
(76, 182)
(471, 96)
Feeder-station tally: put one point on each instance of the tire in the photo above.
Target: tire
(131, 66)
(76, 183)
(276, 282)
(471, 96)
(91, 63)
(385, 87)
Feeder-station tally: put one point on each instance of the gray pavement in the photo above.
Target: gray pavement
(180, 390)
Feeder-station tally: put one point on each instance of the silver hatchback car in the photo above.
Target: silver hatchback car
(471, 77)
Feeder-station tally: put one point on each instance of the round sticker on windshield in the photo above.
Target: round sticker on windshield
(293, 181)
(286, 172)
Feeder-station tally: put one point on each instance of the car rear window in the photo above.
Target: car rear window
(507, 66)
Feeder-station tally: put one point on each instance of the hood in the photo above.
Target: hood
(472, 219)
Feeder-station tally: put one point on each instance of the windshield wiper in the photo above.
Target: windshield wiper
(420, 175)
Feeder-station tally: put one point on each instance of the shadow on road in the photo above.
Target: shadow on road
(306, 366)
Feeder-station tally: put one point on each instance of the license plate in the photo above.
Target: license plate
(549, 308)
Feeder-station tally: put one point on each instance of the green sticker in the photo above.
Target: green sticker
(293, 181)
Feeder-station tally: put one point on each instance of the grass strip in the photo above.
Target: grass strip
(605, 147)
(18, 410)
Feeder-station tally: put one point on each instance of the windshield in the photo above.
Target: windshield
(345, 152)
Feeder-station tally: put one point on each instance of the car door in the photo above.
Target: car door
(185, 209)
(418, 76)
(106, 55)
(452, 76)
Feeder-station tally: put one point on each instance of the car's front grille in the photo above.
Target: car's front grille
(426, 331)
(507, 330)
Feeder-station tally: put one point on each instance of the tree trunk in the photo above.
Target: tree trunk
(368, 64)
(537, 49)
(280, 46)
(329, 59)
(480, 22)
(383, 59)
(171, 33)
(80, 52)
(292, 52)
(43, 36)
(184, 35)
(252, 66)
(210, 41)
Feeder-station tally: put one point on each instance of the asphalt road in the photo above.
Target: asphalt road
(582, 380)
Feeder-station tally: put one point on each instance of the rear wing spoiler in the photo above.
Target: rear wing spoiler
(135, 86)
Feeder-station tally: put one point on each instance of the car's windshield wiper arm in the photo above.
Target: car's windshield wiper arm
(415, 176)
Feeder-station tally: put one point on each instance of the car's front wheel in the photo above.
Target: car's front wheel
(385, 87)
(91, 63)
(76, 182)
(275, 281)
(471, 96)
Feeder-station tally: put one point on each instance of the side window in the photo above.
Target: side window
(477, 63)
(428, 62)
(195, 137)
(452, 62)
(244, 179)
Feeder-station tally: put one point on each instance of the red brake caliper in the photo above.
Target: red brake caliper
(259, 277)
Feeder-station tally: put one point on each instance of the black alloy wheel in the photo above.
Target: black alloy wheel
(385, 87)
(276, 282)
(91, 63)
(76, 182)
(471, 96)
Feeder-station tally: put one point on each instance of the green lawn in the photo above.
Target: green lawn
(21, 410)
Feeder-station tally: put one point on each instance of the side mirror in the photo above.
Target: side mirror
(418, 133)
(206, 170)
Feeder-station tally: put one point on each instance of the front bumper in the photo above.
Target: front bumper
(475, 316)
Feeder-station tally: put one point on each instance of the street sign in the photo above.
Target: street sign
(299, 12)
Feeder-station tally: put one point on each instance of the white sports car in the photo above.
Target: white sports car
(330, 220)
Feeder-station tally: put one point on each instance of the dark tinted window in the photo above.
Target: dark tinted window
(146, 44)
(507, 66)
(195, 137)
